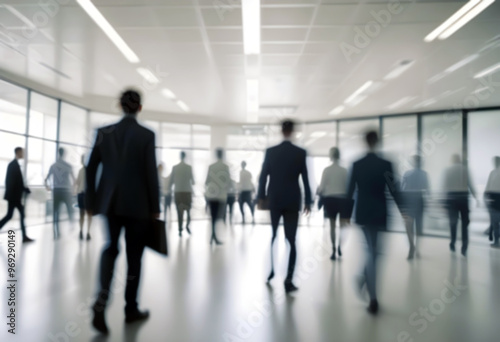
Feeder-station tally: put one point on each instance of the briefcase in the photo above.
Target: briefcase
(156, 238)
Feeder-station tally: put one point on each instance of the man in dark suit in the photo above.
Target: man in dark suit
(128, 195)
(284, 164)
(370, 175)
(14, 191)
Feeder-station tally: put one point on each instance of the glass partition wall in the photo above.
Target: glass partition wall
(43, 124)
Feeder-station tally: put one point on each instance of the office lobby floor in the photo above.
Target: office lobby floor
(212, 294)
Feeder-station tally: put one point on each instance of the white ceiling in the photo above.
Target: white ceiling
(195, 47)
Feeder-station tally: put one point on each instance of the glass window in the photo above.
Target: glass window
(41, 155)
(73, 125)
(13, 108)
(98, 120)
(155, 127)
(319, 138)
(175, 135)
(483, 141)
(351, 139)
(441, 138)
(43, 117)
(8, 143)
(248, 137)
(201, 136)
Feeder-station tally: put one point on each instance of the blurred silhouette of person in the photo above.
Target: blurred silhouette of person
(165, 193)
(128, 196)
(284, 164)
(217, 185)
(14, 191)
(63, 181)
(492, 199)
(332, 190)
(414, 185)
(231, 199)
(182, 180)
(247, 189)
(80, 193)
(370, 176)
(457, 185)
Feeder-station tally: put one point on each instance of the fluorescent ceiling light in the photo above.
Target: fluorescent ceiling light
(337, 110)
(466, 18)
(462, 63)
(99, 19)
(399, 69)
(148, 75)
(448, 22)
(183, 106)
(252, 95)
(365, 86)
(436, 77)
(357, 100)
(168, 94)
(488, 71)
(319, 134)
(401, 102)
(250, 10)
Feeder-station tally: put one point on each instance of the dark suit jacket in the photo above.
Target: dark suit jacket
(14, 184)
(370, 175)
(284, 164)
(129, 182)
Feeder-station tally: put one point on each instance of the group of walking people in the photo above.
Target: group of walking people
(122, 181)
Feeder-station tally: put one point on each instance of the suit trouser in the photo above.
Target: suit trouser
(61, 196)
(370, 268)
(458, 203)
(10, 212)
(183, 201)
(246, 197)
(135, 243)
(495, 224)
(291, 222)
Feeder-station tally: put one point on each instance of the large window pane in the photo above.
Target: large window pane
(319, 138)
(399, 143)
(175, 135)
(41, 155)
(351, 139)
(201, 136)
(8, 142)
(483, 145)
(249, 137)
(73, 126)
(441, 138)
(12, 108)
(98, 120)
(43, 117)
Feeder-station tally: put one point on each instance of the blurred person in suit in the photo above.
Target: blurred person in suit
(127, 195)
(457, 184)
(414, 186)
(370, 176)
(182, 180)
(492, 200)
(63, 182)
(14, 192)
(217, 187)
(80, 193)
(246, 189)
(332, 191)
(279, 191)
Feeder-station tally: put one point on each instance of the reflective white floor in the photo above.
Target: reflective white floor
(203, 293)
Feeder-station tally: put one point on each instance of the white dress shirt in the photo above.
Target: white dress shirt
(218, 181)
(80, 181)
(182, 178)
(246, 181)
(333, 181)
